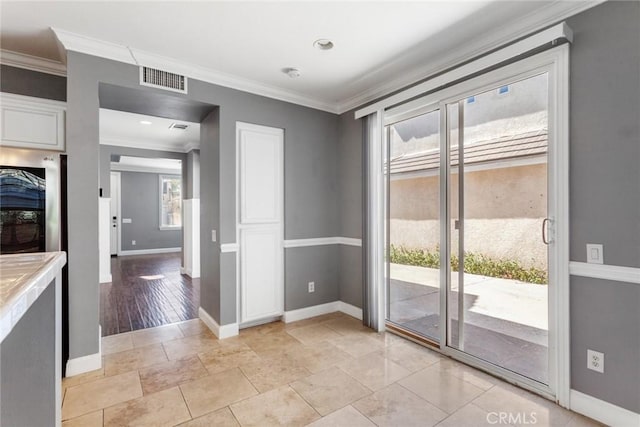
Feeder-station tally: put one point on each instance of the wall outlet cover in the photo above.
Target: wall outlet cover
(133, 243)
(595, 253)
(312, 287)
(595, 361)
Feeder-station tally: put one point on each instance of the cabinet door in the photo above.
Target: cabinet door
(261, 261)
(260, 188)
(29, 122)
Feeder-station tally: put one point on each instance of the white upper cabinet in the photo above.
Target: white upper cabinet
(29, 122)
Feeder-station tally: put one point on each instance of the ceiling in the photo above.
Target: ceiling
(379, 46)
(124, 129)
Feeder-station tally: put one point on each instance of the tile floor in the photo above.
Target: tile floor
(325, 371)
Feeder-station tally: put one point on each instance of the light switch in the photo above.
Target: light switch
(213, 236)
(594, 254)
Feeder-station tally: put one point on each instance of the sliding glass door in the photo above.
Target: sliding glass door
(498, 287)
(413, 182)
(467, 224)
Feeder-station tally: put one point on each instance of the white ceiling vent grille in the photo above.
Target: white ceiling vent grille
(163, 79)
(179, 126)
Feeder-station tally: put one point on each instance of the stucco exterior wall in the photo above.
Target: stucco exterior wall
(504, 210)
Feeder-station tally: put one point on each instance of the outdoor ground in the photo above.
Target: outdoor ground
(506, 321)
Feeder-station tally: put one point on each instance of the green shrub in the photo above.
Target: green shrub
(473, 264)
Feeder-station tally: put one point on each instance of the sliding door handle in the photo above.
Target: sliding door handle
(545, 230)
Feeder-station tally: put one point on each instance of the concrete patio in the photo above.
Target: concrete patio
(506, 321)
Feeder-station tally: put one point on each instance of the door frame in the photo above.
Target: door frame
(555, 62)
(118, 201)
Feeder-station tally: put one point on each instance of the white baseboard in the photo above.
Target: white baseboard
(150, 251)
(308, 312)
(190, 273)
(602, 411)
(87, 363)
(106, 278)
(349, 309)
(319, 310)
(222, 332)
(322, 241)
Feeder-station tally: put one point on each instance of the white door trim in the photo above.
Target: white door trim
(118, 201)
(556, 63)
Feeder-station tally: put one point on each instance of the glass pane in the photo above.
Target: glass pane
(414, 224)
(498, 301)
(22, 217)
(171, 215)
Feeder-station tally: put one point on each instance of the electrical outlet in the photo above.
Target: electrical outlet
(595, 361)
(133, 243)
(214, 236)
(312, 287)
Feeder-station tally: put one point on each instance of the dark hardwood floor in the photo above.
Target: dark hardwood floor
(147, 291)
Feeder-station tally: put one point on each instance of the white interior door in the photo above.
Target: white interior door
(114, 215)
(260, 221)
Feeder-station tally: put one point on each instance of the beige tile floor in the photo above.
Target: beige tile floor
(325, 371)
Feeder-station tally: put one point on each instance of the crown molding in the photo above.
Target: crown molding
(33, 63)
(227, 80)
(90, 46)
(530, 23)
(190, 146)
(150, 144)
(95, 47)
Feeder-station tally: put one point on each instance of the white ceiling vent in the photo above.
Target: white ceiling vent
(179, 126)
(163, 79)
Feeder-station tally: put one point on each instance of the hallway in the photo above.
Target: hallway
(147, 291)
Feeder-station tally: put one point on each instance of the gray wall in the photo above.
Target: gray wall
(605, 132)
(605, 316)
(605, 197)
(350, 173)
(28, 366)
(211, 275)
(32, 83)
(318, 264)
(140, 202)
(191, 177)
(311, 205)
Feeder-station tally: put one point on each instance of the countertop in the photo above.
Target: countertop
(23, 277)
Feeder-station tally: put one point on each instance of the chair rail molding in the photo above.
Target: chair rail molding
(607, 272)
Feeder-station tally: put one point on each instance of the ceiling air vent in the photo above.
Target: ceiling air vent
(163, 79)
(179, 126)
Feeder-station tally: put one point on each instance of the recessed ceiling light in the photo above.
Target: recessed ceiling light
(323, 44)
(291, 72)
(145, 122)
